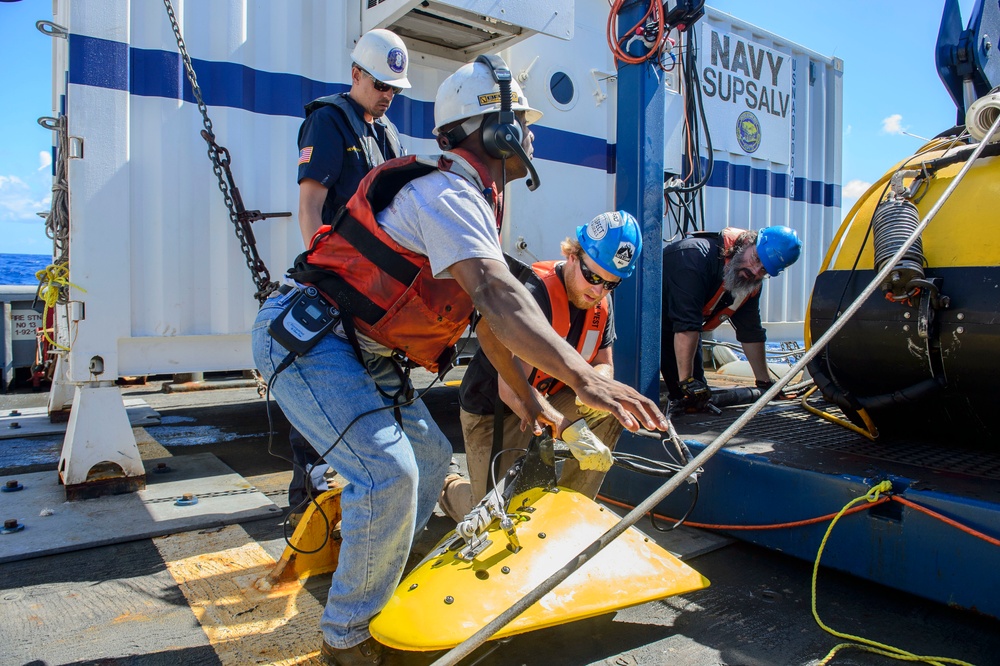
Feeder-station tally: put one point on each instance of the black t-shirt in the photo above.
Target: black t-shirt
(478, 392)
(692, 273)
(330, 154)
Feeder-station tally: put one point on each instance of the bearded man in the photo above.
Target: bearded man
(709, 278)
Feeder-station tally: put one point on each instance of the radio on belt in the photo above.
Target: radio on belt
(306, 319)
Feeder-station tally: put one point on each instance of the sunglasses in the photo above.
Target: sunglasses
(593, 278)
(379, 86)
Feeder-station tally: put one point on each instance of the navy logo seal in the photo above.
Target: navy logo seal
(748, 131)
(396, 60)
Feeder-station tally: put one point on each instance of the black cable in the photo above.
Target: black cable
(681, 520)
(686, 202)
(288, 360)
(310, 498)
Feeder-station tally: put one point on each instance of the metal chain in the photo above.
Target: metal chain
(219, 155)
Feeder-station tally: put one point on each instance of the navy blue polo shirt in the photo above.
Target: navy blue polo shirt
(692, 273)
(330, 154)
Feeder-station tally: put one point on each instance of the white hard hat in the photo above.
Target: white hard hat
(383, 54)
(472, 91)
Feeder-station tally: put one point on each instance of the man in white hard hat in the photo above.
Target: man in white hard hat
(343, 137)
(346, 135)
(414, 253)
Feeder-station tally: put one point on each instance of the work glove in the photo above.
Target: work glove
(586, 447)
(765, 384)
(591, 415)
(696, 394)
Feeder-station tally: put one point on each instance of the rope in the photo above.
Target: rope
(867, 645)
(53, 279)
(737, 528)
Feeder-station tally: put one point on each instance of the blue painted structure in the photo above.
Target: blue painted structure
(639, 190)
(890, 544)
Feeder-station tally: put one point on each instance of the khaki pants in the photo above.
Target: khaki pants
(460, 495)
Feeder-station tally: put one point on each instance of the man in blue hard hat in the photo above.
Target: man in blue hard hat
(709, 278)
(575, 294)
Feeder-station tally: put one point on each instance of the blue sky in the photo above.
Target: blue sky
(890, 86)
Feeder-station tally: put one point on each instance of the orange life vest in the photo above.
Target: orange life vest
(388, 290)
(714, 317)
(595, 320)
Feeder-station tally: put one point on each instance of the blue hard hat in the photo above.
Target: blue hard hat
(778, 248)
(613, 240)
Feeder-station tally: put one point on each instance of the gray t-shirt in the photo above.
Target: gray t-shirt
(443, 217)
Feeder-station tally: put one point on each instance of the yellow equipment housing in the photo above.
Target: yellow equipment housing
(923, 354)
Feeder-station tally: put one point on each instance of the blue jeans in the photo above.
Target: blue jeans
(394, 475)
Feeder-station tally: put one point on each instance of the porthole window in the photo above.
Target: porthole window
(562, 89)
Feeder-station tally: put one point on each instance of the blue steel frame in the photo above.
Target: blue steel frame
(890, 544)
(639, 190)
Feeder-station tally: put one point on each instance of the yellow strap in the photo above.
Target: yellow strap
(51, 279)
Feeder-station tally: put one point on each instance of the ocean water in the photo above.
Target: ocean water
(21, 268)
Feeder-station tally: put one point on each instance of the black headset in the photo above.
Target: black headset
(501, 133)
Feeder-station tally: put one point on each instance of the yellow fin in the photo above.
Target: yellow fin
(445, 599)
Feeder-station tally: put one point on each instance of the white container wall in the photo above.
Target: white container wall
(775, 113)
(573, 84)
(163, 286)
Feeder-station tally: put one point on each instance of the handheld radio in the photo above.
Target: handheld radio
(304, 321)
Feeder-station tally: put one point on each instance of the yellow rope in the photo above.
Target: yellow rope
(51, 279)
(864, 643)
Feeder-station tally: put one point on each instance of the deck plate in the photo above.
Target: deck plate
(224, 497)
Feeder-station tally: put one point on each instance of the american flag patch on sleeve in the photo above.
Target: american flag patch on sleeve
(305, 155)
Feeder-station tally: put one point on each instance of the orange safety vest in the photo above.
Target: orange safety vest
(713, 317)
(595, 320)
(388, 290)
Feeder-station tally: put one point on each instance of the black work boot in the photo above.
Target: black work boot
(366, 653)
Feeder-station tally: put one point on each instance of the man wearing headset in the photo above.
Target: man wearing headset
(413, 253)
(575, 296)
(343, 137)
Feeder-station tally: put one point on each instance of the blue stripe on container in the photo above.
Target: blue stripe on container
(98, 62)
(154, 73)
(759, 180)
(800, 189)
(815, 192)
(570, 148)
(739, 177)
(779, 185)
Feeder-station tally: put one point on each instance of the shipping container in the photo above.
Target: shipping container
(161, 284)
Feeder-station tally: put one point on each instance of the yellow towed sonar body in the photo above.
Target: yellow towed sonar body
(456, 591)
